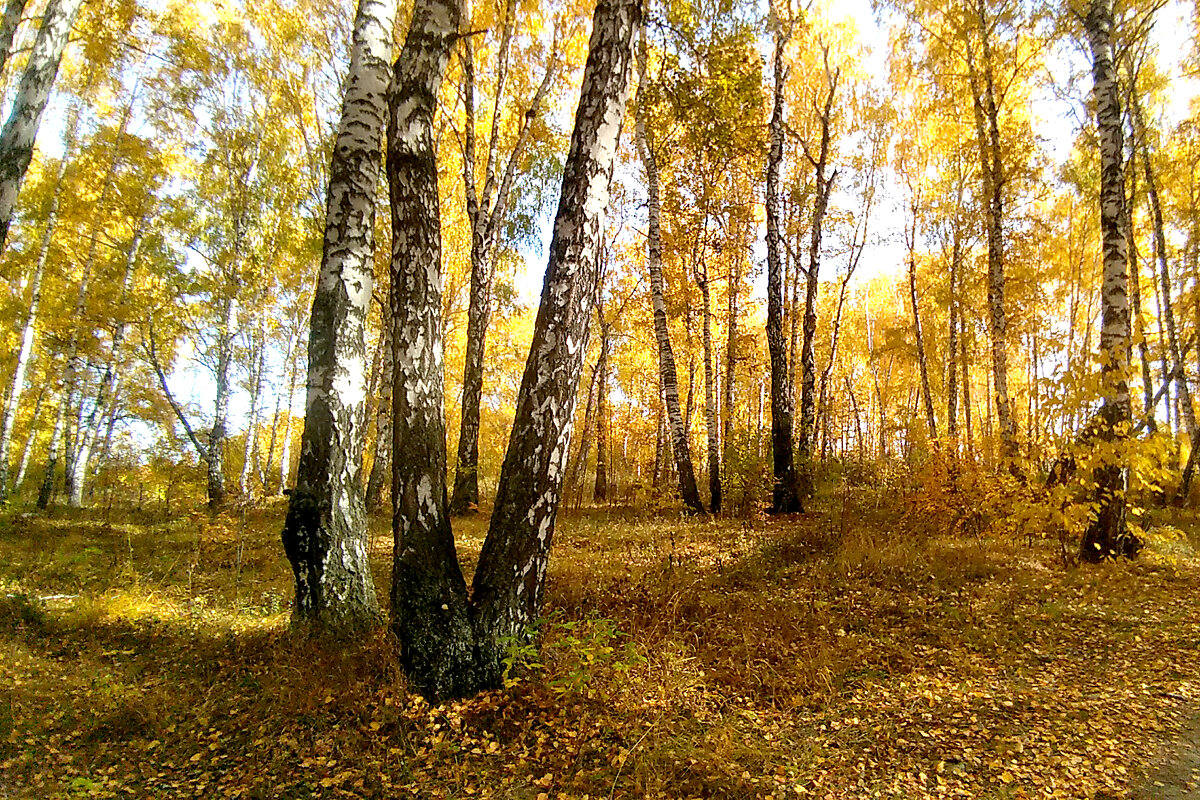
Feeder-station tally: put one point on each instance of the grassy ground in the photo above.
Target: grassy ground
(852, 652)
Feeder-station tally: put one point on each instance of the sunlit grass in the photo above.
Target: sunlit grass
(839, 653)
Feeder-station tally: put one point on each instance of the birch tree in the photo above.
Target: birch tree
(19, 132)
(1108, 534)
(668, 374)
(487, 211)
(785, 497)
(452, 646)
(325, 535)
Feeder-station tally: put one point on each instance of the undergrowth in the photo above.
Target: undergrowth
(895, 641)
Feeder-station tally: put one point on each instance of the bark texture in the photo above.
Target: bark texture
(430, 614)
(20, 131)
(9, 23)
(668, 374)
(1108, 535)
(325, 534)
(510, 581)
(786, 493)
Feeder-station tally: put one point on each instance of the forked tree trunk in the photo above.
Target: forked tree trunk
(325, 533)
(452, 648)
(509, 584)
(1108, 534)
(785, 496)
(808, 360)
(20, 131)
(676, 422)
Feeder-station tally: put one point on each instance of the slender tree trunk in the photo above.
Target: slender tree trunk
(808, 362)
(90, 428)
(677, 424)
(27, 450)
(20, 131)
(1108, 535)
(250, 445)
(786, 492)
(1164, 281)
(922, 361)
(956, 266)
(509, 583)
(216, 435)
(285, 448)
(487, 211)
(76, 451)
(1135, 287)
(29, 330)
(731, 355)
(381, 466)
(325, 533)
(710, 412)
(660, 442)
(46, 493)
(276, 418)
(600, 487)
(575, 481)
(966, 381)
(987, 125)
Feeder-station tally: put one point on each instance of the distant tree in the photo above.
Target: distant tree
(668, 375)
(786, 494)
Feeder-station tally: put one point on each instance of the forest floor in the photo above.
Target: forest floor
(851, 652)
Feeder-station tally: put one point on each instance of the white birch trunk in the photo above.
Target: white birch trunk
(510, 581)
(90, 427)
(20, 131)
(29, 330)
(1108, 536)
(325, 534)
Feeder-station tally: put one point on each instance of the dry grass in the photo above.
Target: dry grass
(835, 654)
